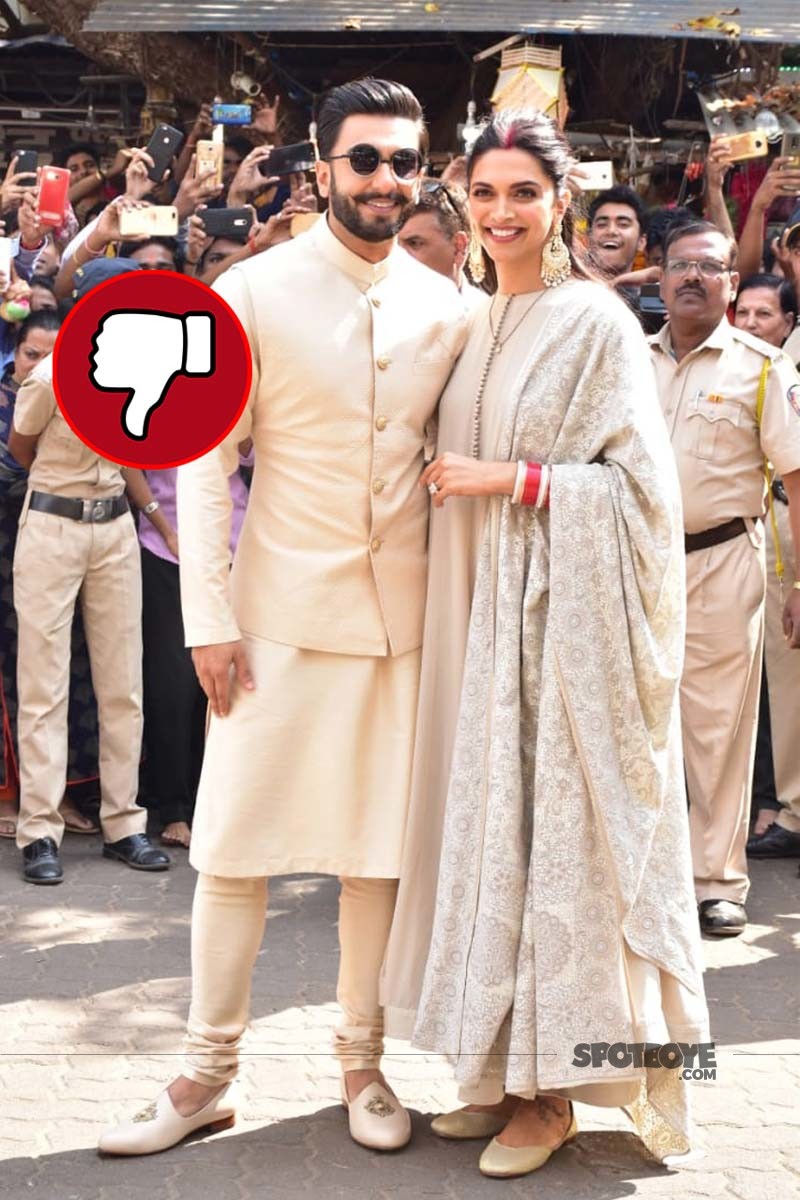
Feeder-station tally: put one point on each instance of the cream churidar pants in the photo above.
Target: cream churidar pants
(58, 562)
(783, 681)
(227, 927)
(719, 707)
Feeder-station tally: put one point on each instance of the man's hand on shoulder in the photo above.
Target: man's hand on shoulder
(213, 666)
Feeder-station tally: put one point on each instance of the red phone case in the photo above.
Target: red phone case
(53, 192)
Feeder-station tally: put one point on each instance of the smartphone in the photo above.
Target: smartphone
(27, 164)
(53, 195)
(6, 255)
(790, 148)
(743, 146)
(289, 160)
(599, 176)
(164, 144)
(210, 154)
(156, 220)
(231, 114)
(227, 222)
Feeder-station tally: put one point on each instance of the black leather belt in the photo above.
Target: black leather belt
(79, 510)
(717, 535)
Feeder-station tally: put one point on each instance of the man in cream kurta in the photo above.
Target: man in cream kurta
(352, 342)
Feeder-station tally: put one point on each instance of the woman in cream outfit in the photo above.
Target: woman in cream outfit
(548, 714)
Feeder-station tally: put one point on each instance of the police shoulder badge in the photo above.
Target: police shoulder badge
(793, 396)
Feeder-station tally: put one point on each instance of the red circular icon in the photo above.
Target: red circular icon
(151, 369)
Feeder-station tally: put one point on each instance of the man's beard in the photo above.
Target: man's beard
(348, 212)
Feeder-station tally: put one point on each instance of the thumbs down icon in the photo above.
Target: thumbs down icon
(141, 353)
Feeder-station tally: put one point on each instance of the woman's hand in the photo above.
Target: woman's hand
(780, 181)
(455, 475)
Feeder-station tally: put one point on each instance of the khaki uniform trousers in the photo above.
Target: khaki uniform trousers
(719, 706)
(58, 561)
(228, 919)
(783, 681)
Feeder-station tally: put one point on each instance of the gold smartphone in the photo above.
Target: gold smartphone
(155, 220)
(743, 146)
(210, 154)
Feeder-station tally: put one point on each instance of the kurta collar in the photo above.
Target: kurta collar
(364, 273)
(719, 339)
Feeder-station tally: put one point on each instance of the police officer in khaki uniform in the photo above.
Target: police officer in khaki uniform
(709, 377)
(77, 541)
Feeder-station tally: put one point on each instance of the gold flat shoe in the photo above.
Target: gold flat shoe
(461, 1125)
(505, 1162)
(377, 1119)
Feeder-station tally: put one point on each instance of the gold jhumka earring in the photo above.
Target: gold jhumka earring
(556, 265)
(477, 267)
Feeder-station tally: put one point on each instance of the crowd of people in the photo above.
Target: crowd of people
(468, 622)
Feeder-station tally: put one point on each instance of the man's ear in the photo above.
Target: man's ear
(734, 285)
(323, 175)
(461, 244)
(641, 244)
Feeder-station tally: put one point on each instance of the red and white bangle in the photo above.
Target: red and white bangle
(519, 482)
(536, 491)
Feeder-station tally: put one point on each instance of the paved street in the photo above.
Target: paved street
(94, 982)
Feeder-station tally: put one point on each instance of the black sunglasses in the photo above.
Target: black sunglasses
(365, 160)
(432, 187)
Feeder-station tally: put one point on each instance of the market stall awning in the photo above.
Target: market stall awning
(750, 20)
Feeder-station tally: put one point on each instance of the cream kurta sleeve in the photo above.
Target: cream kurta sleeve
(205, 507)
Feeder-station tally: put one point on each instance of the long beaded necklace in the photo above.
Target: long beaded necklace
(494, 350)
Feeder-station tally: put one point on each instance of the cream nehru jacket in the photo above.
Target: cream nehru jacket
(349, 361)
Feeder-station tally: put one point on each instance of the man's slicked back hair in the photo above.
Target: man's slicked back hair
(366, 97)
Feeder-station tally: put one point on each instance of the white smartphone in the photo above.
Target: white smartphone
(6, 255)
(599, 175)
(155, 220)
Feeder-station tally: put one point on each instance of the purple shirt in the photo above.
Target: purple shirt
(163, 484)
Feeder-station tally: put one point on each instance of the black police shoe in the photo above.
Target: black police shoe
(774, 842)
(40, 862)
(137, 851)
(722, 918)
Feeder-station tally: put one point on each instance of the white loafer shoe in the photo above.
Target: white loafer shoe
(160, 1126)
(377, 1118)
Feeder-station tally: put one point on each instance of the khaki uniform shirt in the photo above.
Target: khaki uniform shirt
(63, 465)
(709, 400)
(349, 360)
(791, 347)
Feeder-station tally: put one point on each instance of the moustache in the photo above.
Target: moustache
(687, 289)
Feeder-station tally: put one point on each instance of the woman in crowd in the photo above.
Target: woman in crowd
(35, 340)
(549, 700)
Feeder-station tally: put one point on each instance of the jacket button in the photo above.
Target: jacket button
(383, 362)
(381, 423)
(375, 545)
(378, 485)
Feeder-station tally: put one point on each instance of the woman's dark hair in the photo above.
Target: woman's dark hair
(776, 283)
(365, 97)
(659, 220)
(87, 148)
(46, 319)
(533, 132)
